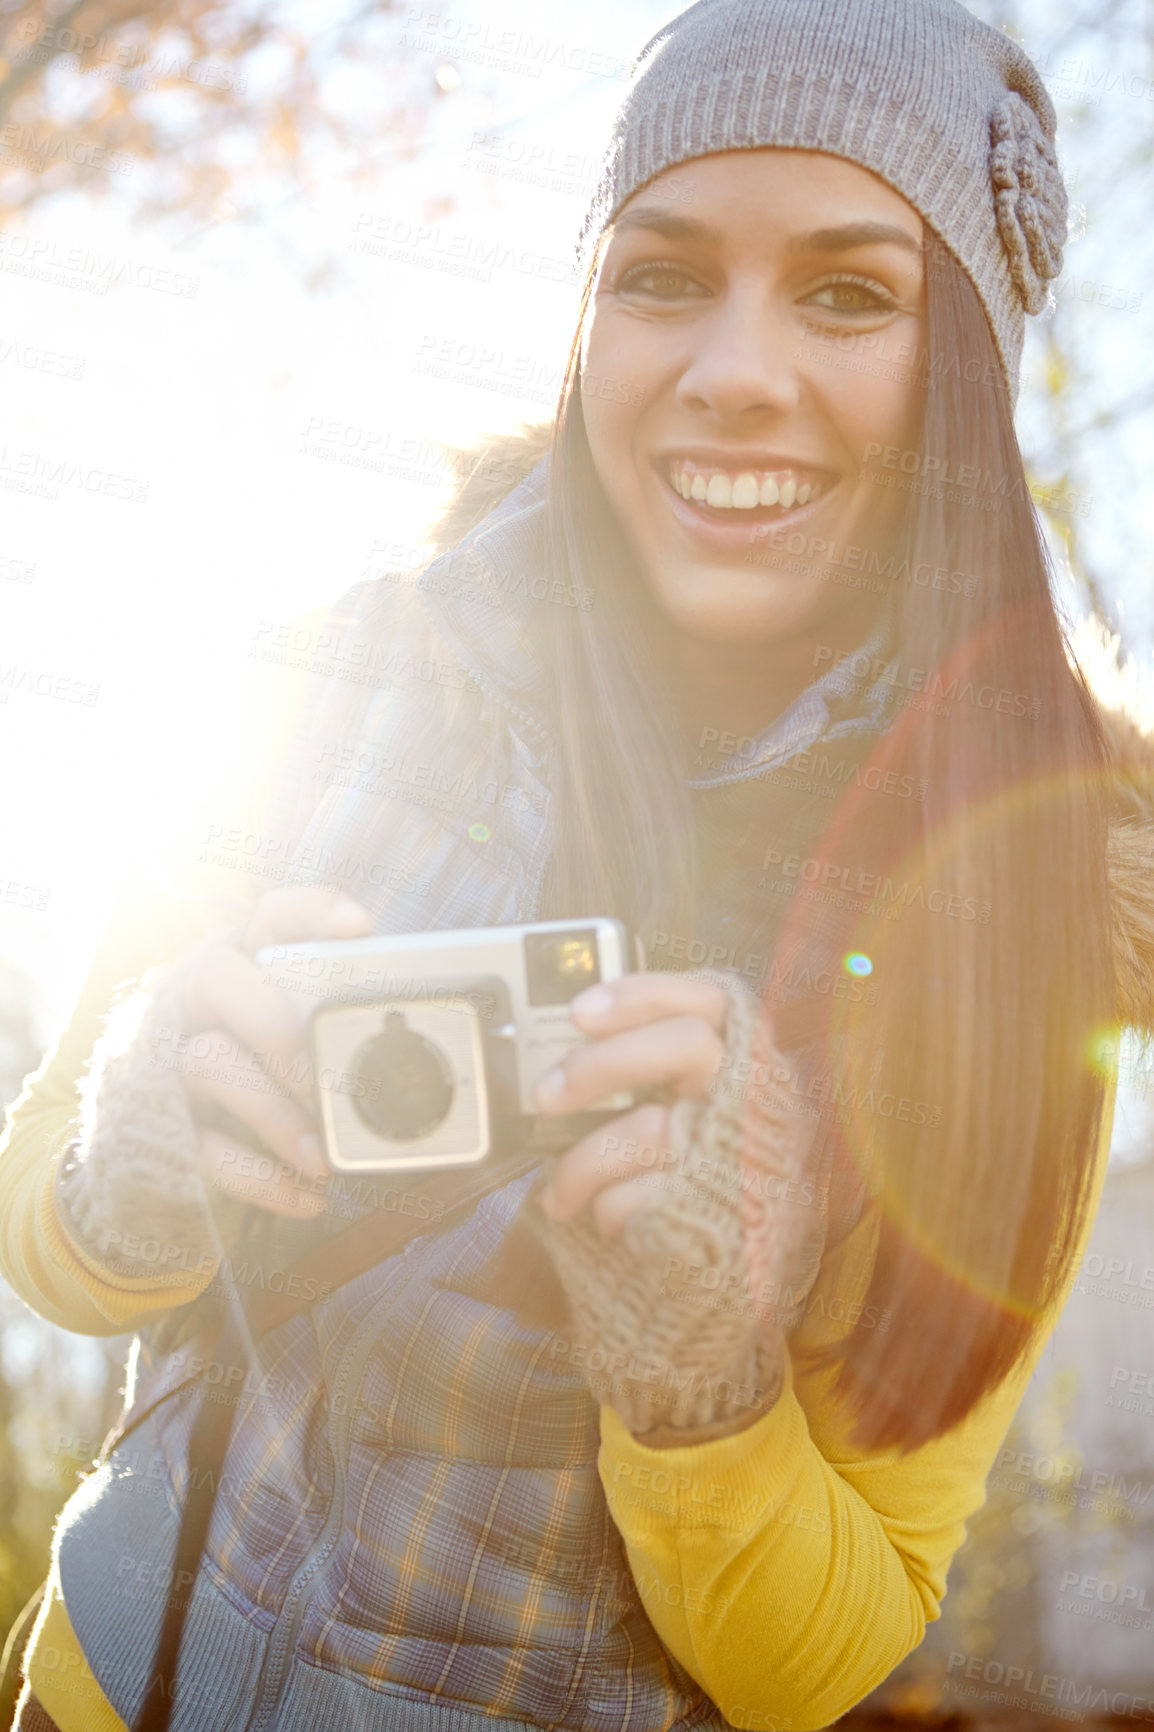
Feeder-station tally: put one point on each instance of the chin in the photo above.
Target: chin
(702, 610)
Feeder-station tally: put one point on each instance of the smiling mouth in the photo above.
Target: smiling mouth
(743, 496)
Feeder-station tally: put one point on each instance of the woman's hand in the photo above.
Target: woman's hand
(700, 1239)
(241, 1049)
(200, 1082)
(644, 1030)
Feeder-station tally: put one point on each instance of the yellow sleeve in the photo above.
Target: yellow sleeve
(788, 1570)
(59, 1675)
(37, 1257)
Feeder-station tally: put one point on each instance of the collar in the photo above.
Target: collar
(840, 702)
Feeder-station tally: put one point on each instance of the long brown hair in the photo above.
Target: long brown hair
(992, 1018)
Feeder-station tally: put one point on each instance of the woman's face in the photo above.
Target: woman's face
(731, 323)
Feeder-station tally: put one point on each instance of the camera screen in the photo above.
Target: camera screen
(559, 965)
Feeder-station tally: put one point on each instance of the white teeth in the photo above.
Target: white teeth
(744, 491)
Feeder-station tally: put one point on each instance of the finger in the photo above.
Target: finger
(225, 989)
(300, 915)
(613, 1207)
(239, 1171)
(635, 1143)
(230, 1079)
(683, 1051)
(616, 1005)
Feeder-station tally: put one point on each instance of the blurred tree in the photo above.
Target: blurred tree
(1086, 423)
(176, 103)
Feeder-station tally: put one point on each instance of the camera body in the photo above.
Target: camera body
(426, 1047)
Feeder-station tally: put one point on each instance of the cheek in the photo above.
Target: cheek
(608, 440)
(625, 368)
(609, 412)
(878, 412)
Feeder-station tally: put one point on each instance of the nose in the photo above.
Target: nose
(741, 365)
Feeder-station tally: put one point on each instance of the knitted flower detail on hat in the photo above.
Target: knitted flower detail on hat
(1029, 198)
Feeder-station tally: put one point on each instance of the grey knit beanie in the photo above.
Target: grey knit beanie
(946, 109)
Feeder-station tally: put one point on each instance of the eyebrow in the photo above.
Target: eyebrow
(831, 240)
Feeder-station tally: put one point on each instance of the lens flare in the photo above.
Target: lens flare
(857, 962)
(1103, 1050)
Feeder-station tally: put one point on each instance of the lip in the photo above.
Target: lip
(741, 535)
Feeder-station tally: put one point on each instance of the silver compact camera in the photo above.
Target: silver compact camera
(426, 1047)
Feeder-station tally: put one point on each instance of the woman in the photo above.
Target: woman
(681, 1428)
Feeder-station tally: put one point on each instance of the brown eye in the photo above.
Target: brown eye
(661, 282)
(853, 295)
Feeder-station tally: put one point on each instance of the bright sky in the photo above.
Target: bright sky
(271, 433)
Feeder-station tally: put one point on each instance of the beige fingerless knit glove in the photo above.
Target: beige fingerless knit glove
(682, 1317)
(128, 1190)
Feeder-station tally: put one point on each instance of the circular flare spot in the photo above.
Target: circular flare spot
(1102, 1051)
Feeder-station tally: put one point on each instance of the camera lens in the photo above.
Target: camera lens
(407, 1083)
